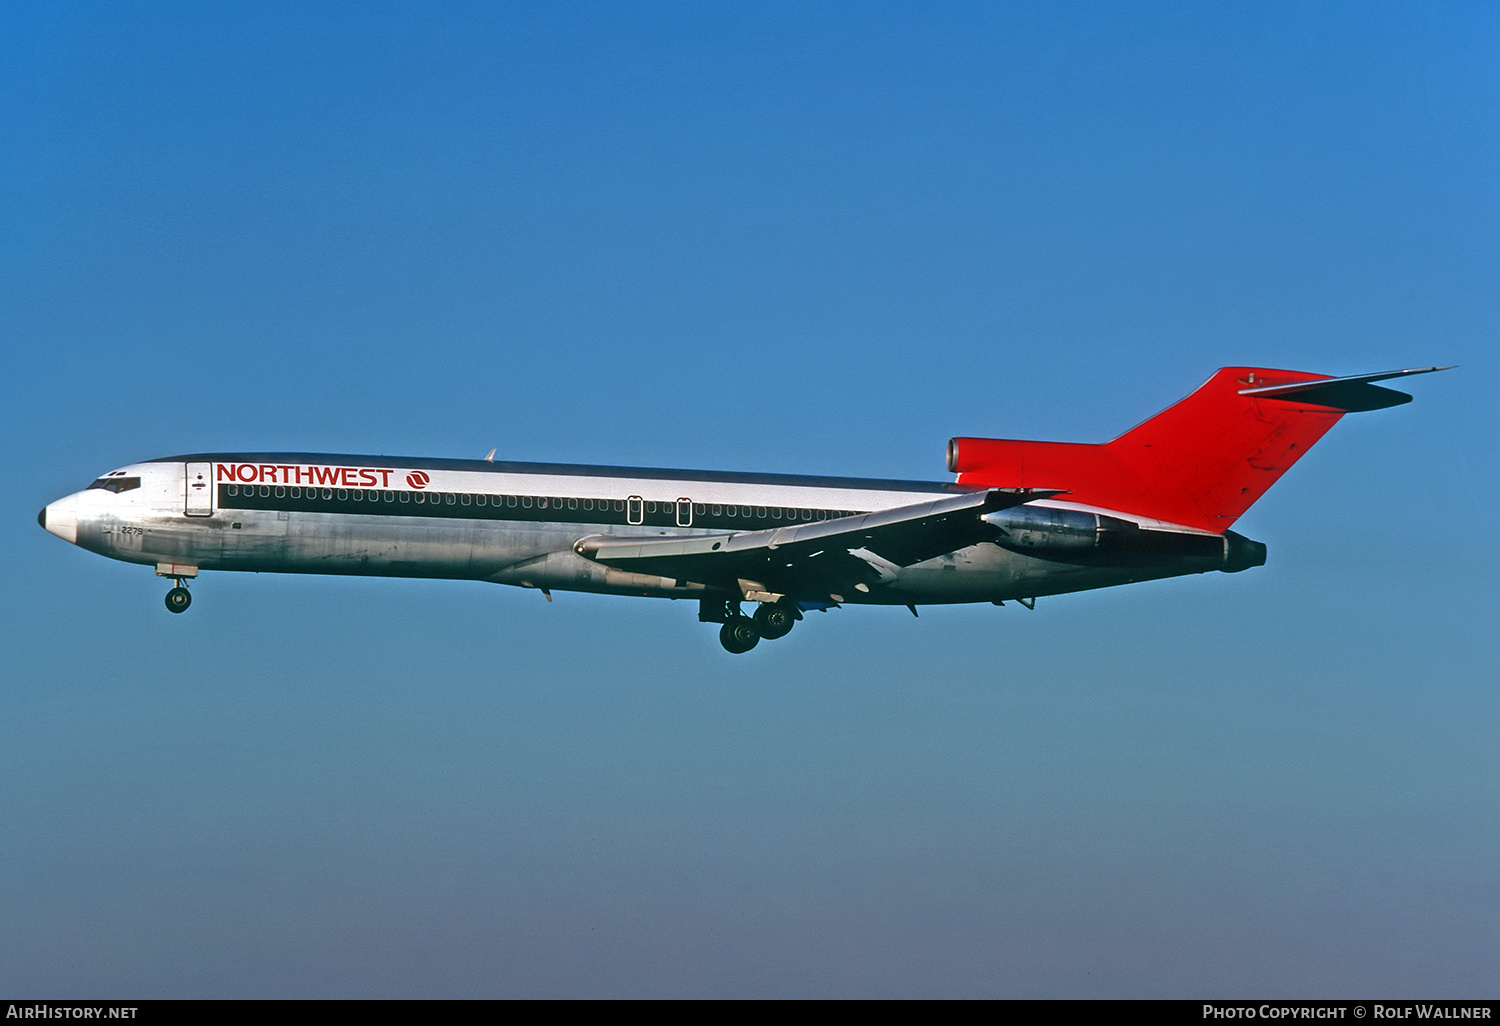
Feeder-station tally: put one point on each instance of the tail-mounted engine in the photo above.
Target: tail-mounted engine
(1096, 539)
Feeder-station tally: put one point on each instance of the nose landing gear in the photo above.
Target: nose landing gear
(178, 598)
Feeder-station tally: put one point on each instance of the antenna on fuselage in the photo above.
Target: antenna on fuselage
(490, 456)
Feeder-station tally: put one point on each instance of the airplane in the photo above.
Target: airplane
(1022, 519)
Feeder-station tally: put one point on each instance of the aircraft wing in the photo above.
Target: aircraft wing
(824, 558)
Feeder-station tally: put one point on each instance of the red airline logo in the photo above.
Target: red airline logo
(304, 474)
(417, 479)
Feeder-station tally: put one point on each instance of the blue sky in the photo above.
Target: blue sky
(796, 238)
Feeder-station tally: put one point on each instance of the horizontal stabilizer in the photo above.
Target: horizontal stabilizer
(1352, 394)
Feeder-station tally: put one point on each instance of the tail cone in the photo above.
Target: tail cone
(1240, 553)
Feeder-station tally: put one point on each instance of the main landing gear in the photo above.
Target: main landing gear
(178, 598)
(741, 633)
(776, 619)
(738, 634)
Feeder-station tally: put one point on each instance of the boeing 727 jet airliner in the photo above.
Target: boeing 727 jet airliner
(1023, 519)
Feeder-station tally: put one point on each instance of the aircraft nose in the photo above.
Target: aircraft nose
(61, 518)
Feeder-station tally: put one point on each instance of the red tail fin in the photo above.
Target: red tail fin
(1200, 463)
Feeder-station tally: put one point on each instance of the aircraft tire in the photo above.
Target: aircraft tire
(775, 620)
(178, 600)
(739, 635)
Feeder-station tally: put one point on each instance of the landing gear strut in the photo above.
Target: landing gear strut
(178, 598)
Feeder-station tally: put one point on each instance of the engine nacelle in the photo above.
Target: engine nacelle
(1096, 539)
(1044, 531)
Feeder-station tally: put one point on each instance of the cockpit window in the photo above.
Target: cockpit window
(116, 484)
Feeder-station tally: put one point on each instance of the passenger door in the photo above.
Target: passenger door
(200, 490)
